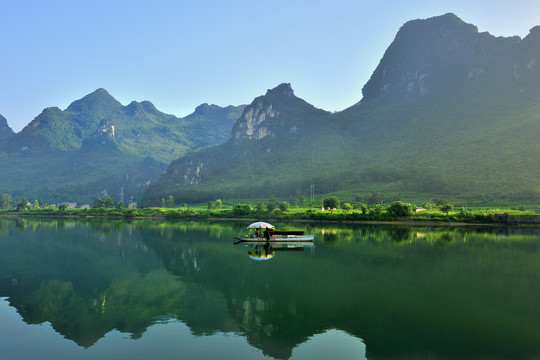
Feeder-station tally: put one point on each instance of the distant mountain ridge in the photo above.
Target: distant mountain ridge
(447, 111)
(97, 145)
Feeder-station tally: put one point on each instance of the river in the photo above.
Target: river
(114, 289)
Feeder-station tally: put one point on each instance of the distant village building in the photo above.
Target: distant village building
(85, 206)
(420, 208)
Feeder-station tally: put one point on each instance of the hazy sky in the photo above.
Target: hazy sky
(180, 54)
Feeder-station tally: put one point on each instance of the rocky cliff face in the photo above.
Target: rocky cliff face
(443, 54)
(274, 114)
(254, 122)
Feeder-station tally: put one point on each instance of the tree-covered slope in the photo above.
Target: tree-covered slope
(98, 146)
(448, 110)
(279, 141)
(456, 110)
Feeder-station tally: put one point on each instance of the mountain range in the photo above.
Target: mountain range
(449, 111)
(97, 146)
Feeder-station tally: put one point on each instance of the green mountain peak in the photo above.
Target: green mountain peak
(5, 130)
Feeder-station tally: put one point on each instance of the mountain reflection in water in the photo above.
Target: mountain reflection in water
(183, 289)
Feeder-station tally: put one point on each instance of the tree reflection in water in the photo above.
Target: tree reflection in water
(450, 292)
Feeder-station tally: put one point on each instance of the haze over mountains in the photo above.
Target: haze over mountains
(447, 111)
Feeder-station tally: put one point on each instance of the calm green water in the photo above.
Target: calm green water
(181, 290)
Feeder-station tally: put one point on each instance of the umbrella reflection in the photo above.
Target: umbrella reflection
(261, 253)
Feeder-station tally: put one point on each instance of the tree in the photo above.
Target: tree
(375, 209)
(447, 207)
(6, 202)
(241, 209)
(331, 202)
(347, 207)
(120, 205)
(211, 205)
(218, 204)
(284, 206)
(363, 207)
(261, 207)
(273, 203)
(36, 204)
(443, 205)
(104, 202)
(400, 208)
(375, 198)
(23, 205)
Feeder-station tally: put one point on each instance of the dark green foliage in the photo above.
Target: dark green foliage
(443, 205)
(375, 198)
(375, 209)
(284, 206)
(104, 202)
(6, 202)
(22, 205)
(363, 208)
(400, 208)
(331, 202)
(260, 207)
(241, 209)
(273, 203)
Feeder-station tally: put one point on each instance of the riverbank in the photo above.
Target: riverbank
(311, 215)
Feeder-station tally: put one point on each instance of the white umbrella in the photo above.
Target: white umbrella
(261, 225)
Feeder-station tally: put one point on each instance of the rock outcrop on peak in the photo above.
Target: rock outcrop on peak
(5, 130)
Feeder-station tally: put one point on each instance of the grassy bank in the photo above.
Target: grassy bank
(486, 216)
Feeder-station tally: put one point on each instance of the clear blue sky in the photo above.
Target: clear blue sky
(180, 54)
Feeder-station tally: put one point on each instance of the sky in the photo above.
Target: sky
(179, 54)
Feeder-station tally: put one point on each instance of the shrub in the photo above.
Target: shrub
(331, 202)
(347, 207)
(444, 205)
(241, 209)
(218, 204)
(284, 206)
(400, 208)
(375, 209)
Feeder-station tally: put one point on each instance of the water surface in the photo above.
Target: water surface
(168, 290)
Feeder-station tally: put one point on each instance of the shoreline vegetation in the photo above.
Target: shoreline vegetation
(241, 212)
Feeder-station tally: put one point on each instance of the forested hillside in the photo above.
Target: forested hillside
(98, 146)
(447, 111)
